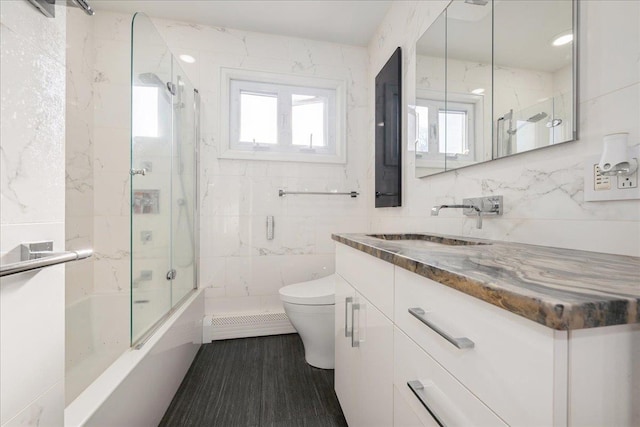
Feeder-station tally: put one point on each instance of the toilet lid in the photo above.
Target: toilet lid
(314, 292)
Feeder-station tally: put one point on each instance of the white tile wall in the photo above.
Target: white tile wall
(543, 190)
(240, 268)
(32, 203)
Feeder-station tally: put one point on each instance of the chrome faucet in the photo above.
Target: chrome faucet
(436, 210)
(491, 205)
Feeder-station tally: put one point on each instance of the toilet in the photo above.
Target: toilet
(310, 308)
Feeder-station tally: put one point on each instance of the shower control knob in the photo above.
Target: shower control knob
(171, 274)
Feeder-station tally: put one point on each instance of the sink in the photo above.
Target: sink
(415, 238)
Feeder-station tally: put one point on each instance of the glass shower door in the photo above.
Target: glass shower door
(165, 109)
(151, 180)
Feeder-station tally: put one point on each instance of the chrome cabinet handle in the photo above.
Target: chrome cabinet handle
(461, 343)
(142, 172)
(418, 389)
(347, 301)
(354, 307)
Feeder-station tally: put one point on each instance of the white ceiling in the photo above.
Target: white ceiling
(338, 21)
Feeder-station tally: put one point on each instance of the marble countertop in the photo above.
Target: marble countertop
(563, 289)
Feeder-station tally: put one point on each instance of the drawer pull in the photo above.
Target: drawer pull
(418, 389)
(347, 332)
(354, 342)
(461, 343)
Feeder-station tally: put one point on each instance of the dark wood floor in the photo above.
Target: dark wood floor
(253, 382)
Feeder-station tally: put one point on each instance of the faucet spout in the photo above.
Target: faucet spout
(436, 210)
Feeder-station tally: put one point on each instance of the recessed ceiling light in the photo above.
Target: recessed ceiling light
(478, 91)
(187, 58)
(562, 39)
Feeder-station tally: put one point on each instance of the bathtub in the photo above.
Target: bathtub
(137, 388)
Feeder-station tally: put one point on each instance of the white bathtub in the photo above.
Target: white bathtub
(138, 387)
(97, 334)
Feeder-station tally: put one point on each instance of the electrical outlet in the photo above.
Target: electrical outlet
(600, 182)
(599, 188)
(625, 182)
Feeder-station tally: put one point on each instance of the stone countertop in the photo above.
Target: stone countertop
(563, 289)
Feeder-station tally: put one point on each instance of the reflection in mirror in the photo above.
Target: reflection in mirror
(468, 136)
(490, 82)
(533, 75)
(430, 99)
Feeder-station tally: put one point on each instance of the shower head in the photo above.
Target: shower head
(537, 117)
(150, 79)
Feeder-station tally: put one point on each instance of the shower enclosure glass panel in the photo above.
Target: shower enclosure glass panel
(163, 168)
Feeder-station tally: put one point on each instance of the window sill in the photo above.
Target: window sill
(283, 157)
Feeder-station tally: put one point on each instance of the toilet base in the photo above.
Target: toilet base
(315, 325)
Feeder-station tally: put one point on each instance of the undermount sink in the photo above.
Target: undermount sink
(450, 241)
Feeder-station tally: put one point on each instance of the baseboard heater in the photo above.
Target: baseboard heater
(245, 325)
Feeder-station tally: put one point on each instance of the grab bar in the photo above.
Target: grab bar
(39, 255)
(353, 194)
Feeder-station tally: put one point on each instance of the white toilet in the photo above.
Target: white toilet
(310, 308)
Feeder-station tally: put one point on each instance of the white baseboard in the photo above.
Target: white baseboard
(245, 325)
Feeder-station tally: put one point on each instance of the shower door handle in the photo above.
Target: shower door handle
(171, 274)
(142, 172)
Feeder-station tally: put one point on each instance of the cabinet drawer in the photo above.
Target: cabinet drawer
(431, 393)
(370, 276)
(509, 364)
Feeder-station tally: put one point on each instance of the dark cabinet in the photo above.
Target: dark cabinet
(388, 190)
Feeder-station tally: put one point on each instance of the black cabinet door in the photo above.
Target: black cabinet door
(388, 133)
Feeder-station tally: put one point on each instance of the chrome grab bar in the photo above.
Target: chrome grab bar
(34, 257)
(461, 343)
(418, 389)
(352, 194)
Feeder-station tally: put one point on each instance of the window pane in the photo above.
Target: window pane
(422, 114)
(308, 120)
(145, 110)
(258, 118)
(455, 127)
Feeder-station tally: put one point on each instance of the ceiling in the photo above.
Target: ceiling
(338, 21)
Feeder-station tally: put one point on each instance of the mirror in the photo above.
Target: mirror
(494, 79)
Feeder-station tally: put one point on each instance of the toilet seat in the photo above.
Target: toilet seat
(314, 292)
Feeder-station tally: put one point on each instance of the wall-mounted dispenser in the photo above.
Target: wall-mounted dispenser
(614, 174)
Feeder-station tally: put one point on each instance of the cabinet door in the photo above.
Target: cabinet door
(373, 335)
(346, 367)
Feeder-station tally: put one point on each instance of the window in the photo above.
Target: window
(145, 109)
(445, 130)
(281, 117)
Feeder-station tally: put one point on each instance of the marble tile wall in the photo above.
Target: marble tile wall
(32, 205)
(543, 190)
(240, 268)
(97, 195)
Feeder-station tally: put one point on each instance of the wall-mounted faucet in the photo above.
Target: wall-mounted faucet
(491, 205)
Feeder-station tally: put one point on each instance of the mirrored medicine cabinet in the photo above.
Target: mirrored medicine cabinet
(494, 78)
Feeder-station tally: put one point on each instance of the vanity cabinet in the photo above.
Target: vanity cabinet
(508, 363)
(424, 354)
(364, 356)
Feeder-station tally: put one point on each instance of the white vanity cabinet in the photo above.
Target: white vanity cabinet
(424, 354)
(364, 356)
(509, 362)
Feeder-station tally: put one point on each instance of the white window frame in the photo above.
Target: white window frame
(472, 105)
(234, 81)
